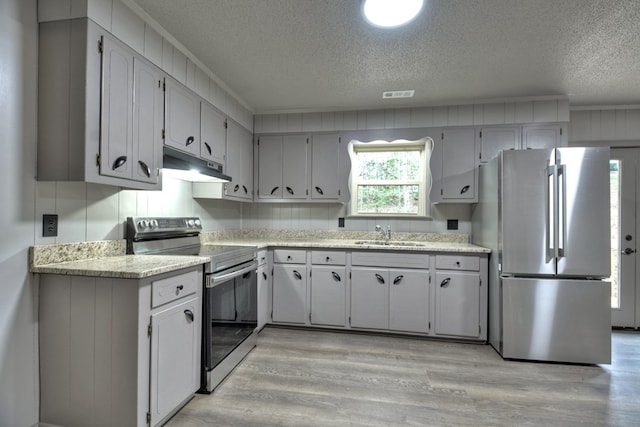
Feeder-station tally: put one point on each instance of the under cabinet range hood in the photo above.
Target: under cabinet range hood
(183, 166)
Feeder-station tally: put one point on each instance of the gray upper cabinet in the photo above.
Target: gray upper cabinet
(544, 136)
(239, 163)
(213, 133)
(182, 118)
(282, 167)
(148, 109)
(453, 167)
(99, 108)
(494, 139)
(325, 167)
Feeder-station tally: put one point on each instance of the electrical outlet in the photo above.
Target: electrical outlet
(340, 222)
(452, 224)
(49, 225)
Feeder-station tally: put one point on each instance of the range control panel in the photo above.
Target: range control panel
(138, 227)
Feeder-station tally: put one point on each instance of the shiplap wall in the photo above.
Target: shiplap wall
(144, 36)
(605, 125)
(496, 113)
(88, 212)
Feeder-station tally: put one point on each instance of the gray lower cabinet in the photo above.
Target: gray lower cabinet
(438, 295)
(394, 299)
(328, 295)
(122, 352)
(263, 287)
(369, 298)
(459, 303)
(289, 286)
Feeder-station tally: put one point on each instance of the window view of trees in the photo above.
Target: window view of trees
(388, 182)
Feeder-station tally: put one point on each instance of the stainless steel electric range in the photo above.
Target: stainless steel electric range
(230, 289)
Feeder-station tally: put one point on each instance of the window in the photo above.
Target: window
(389, 178)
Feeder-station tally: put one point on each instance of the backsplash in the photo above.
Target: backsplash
(92, 212)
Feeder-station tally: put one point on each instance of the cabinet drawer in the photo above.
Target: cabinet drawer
(328, 257)
(390, 259)
(173, 288)
(458, 262)
(290, 256)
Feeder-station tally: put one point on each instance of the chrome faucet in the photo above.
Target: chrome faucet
(386, 233)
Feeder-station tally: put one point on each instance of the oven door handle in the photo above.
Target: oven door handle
(217, 279)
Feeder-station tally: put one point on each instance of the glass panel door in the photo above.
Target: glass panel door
(625, 298)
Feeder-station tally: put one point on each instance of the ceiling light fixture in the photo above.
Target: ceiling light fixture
(390, 13)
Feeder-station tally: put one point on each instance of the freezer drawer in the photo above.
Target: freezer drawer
(556, 320)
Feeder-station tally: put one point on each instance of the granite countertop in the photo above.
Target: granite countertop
(347, 240)
(104, 259)
(108, 259)
(381, 245)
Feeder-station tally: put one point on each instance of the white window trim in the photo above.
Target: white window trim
(426, 144)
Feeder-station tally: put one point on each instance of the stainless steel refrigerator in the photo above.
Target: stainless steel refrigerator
(545, 216)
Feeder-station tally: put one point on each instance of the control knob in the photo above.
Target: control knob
(198, 223)
(190, 223)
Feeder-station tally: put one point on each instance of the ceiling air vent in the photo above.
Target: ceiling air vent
(398, 94)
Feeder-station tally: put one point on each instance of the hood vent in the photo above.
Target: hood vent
(191, 168)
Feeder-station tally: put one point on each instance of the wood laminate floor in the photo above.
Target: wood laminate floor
(317, 378)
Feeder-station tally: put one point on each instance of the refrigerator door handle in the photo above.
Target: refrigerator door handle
(551, 221)
(562, 210)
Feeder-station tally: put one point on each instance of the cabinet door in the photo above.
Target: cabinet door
(239, 162)
(457, 304)
(409, 300)
(182, 122)
(325, 167)
(294, 165)
(495, 139)
(116, 130)
(458, 164)
(289, 293)
(264, 284)
(213, 134)
(369, 298)
(541, 136)
(270, 167)
(148, 112)
(328, 295)
(175, 357)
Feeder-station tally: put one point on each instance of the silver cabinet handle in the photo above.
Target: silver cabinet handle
(119, 162)
(445, 282)
(189, 141)
(290, 190)
(264, 275)
(189, 315)
(145, 168)
(336, 276)
(397, 280)
(465, 189)
(380, 278)
(245, 189)
(208, 147)
(236, 188)
(628, 251)
(319, 190)
(274, 190)
(298, 275)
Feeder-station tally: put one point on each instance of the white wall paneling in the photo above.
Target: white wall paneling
(152, 45)
(516, 112)
(128, 27)
(19, 388)
(98, 10)
(103, 213)
(589, 125)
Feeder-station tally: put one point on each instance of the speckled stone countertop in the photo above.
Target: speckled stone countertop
(104, 259)
(424, 242)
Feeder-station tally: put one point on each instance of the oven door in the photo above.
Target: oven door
(230, 311)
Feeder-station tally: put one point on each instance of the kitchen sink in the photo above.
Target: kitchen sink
(388, 243)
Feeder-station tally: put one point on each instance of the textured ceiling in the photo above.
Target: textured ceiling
(316, 55)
